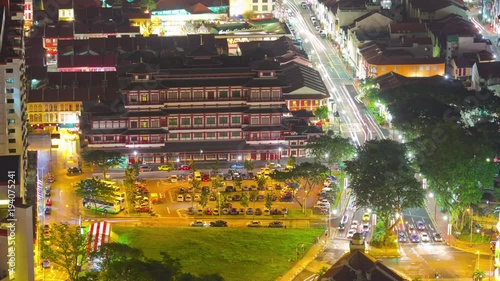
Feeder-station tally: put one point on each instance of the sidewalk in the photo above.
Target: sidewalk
(441, 224)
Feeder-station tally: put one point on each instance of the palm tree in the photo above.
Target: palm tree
(478, 275)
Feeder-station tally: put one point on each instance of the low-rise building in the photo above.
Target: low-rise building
(486, 75)
(429, 10)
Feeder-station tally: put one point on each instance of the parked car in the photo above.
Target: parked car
(48, 202)
(230, 188)
(74, 171)
(180, 198)
(208, 212)
(241, 211)
(276, 224)
(258, 212)
(164, 168)
(250, 211)
(437, 237)
(191, 211)
(197, 198)
(420, 225)
(48, 211)
(341, 226)
(218, 223)
(254, 224)
(45, 263)
(234, 211)
(216, 212)
(51, 179)
(145, 169)
(199, 223)
(184, 167)
(351, 233)
(245, 188)
(205, 178)
(188, 198)
(267, 212)
(237, 197)
(402, 237)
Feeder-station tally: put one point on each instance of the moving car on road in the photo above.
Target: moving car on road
(420, 225)
(402, 237)
(184, 167)
(199, 223)
(144, 169)
(164, 168)
(276, 224)
(254, 224)
(351, 232)
(354, 224)
(366, 217)
(218, 223)
(425, 237)
(437, 237)
(414, 238)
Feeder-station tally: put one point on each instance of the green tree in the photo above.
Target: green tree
(261, 181)
(67, 248)
(245, 200)
(478, 275)
(383, 180)
(216, 167)
(269, 201)
(461, 177)
(131, 174)
(191, 277)
(104, 160)
(291, 161)
(249, 166)
(204, 197)
(248, 15)
(217, 182)
(93, 189)
(149, 4)
(321, 112)
(192, 164)
(166, 269)
(238, 182)
(111, 253)
(332, 148)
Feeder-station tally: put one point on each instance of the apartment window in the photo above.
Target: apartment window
(255, 1)
(144, 124)
(421, 67)
(144, 98)
(133, 98)
(197, 136)
(427, 67)
(12, 150)
(11, 110)
(223, 135)
(198, 95)
(185, 95)
(235, 134)
(9, 80)
(173, 136)
(255, 8)
(395, 68)
(185, 136)
(10, 91)
(210, 120)
(276, 95)
(97, 139)
(172, 95)
(223, 94)
(11, 121)
(109, 138)
(155, 124)
(133, 124)
(254, 95)
(198, 121)
(264, 7)
(154, 98)
(236, 94)
(265, 120)
(223, 120)
(254, 121)
(210, 135)
(9, 70)
(276, 120)
(265, 95)
(172, 121)
(155, 139)
(12, 140)
(10, 100)
(134, 139)
(265, 136)
(434, 68)
(235, 120)
(11, 131)
(185, 121)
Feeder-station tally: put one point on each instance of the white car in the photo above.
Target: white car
(351, 233)
(366, 227)
(197, 198)
(180, 198)
(424, 237)
(188, 198)
(354, 224)
(344, 220)
(199, 223)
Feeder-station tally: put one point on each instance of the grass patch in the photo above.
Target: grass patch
(258, 254)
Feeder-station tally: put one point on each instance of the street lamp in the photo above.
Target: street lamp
(431, 195)
(201, 154)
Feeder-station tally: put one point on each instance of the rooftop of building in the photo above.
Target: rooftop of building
(393, 80)
(378, 55)
(407, 27)
(165, 5)
(358, 265)
(434, 5)
(489, 70)
(453, 25)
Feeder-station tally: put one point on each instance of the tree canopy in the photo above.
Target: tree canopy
(321, 112)
(104, 160)
(332, 148)
(383, 180)
(94, 188)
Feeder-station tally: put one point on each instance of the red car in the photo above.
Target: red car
(185, 167)
(205, 178)
(48, 202)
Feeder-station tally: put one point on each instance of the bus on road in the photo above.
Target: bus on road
(113, 207)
